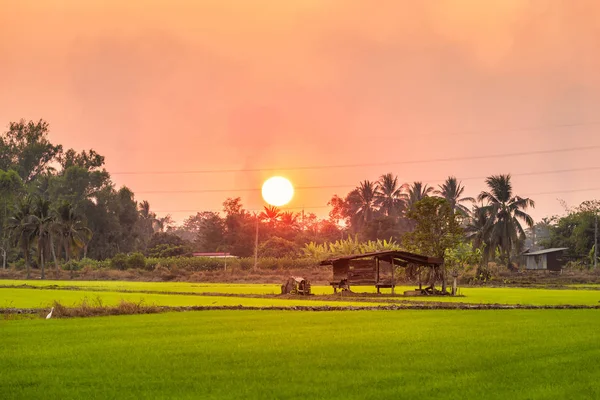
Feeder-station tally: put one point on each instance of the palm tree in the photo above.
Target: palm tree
(147, 217)
(163, 224)
(390, 196)
(452, 190)
(417, 192)
(42, 223)
(22, 229)
(505, 212)
(74, 233)
(289, 219)
(270, 214)
(362, 202)
(477, 230)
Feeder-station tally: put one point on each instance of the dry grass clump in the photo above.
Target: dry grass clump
(96, 308)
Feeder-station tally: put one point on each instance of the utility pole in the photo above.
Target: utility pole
(256, 244)
(596, 241)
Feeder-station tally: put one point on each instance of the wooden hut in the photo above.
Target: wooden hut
(375, 268)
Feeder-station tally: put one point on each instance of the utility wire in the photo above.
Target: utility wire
(191, 191)
(321, 207)
(363, 165)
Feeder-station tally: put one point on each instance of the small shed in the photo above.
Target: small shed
(375, 268)
(547, 259)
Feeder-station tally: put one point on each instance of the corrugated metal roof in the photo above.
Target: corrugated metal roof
(546, 251)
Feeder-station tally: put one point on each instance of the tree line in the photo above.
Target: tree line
(58, 205)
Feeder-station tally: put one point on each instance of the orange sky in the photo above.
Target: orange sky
(266, 84)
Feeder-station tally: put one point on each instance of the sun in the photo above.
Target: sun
(277, 191)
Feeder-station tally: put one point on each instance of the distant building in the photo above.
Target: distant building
(548, 259)
(213, 255)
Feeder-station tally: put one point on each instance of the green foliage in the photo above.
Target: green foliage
(119, 261)
(437, 227)
(277, 247)
(136, 260)
(462, 257)
(504, 212)
(347, 247)
(575, 231)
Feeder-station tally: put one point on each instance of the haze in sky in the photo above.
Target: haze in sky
(422, 89)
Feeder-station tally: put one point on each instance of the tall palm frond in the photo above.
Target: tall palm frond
(390, 196)
(452, 190)
(417, 192)
(505, 212)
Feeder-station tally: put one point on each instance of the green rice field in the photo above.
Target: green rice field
(190, 294)
(451, 354)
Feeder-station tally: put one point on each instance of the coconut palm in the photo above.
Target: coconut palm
(505, 212)
(417, 192)
(452, 190)
(22, 229)
(477, 230)
(73, 232)
(390, 196)
(163, 224)
(289, 219)
(147, 217)
(270, 214)
(42, 222)
(362, 202)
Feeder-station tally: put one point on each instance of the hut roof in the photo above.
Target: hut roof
(402, 257)
(545, 251)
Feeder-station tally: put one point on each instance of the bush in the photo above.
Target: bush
(136, 260)
(119, 261)
(278, 247)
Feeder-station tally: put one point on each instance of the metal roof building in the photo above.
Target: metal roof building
(547, 259)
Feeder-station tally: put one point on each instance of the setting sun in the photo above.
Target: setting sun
(277, 191)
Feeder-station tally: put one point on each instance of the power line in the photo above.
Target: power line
(498, 130)
(192, 191)
(321, 207)
(341, 166)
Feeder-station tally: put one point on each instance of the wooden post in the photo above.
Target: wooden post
(377, 274)
(393, 281)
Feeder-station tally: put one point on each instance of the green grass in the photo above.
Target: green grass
(518, 354)
(34, 298)
(532, 296)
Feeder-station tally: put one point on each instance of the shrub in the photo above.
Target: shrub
(136, 260)
(119, 261)
(72, 265)
(278, 247)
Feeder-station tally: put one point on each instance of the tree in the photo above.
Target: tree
(278, 247)
(574, 231)
(10, 186)
(478, 232)
(74, 234)
(42, 225)
(22, 228)
(505, 212)
(417, 192)
(163, 224)
(270, 214)
(437, 228)
(390, 196)
(362, 203)
(211, 231)
(26, 149)
(452, 190)
(164, 244)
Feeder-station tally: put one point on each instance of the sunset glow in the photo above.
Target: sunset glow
(277, 191)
